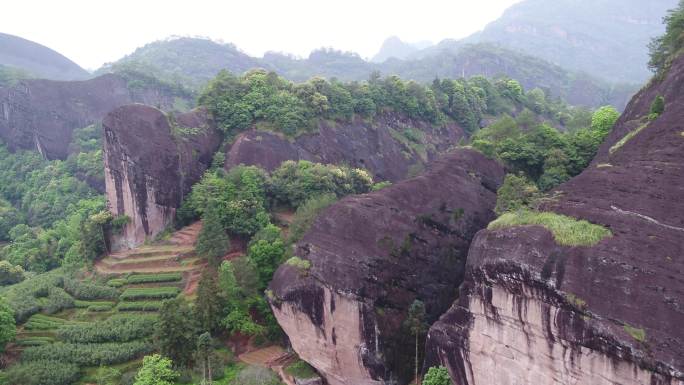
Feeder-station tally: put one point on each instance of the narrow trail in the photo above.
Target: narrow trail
(272, 357)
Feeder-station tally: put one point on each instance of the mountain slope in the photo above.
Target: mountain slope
(38, 60)
(606, 38)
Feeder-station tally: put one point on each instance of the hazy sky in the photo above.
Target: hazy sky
(92, 32)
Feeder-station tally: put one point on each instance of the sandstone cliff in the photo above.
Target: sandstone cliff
(371, 256)
(42, 114)
(390, 146)
(151, 162)
(534, 312)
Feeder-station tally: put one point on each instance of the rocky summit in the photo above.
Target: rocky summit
(370, 256)
(533, 311)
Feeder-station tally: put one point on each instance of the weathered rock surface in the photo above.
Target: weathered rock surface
(42, 114)
(533, 312)
(379, 146)
(371, 256)
(151, 163)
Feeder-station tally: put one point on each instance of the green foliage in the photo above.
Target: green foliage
(266, 257)
(208, 305)
(176, 331)
(117, 282)
(9, 274)
(239, 280)
(566, 231)
(307, 213)
(135, 293)
(604, 119)
(542, 153)
(7, 324)
(107, 376)
(657, 107)
(300, 369)
(140, 306)
(44, 372)
(213, 242)
(153, 278)
(36, 294)
(10, 76)
(293, 183)
(44, 322)
(156, 370)
(437, 375)
(664, 49)
(117, 328)
(515, 193)
(636, 333)
(88, 354)
(301, 264)
(89, 290)
(380, 185)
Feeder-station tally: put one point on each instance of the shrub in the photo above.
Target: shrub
(43, 372)
(35, 340)
(88, 354)
(87, 304)
(118, 328)
(515, 193)
(301, 369)
(149, 293)
(566, 231)
(44, 322)
(117, 282)
(154, 278)
(658, 105)
(140, 306)
(299, 263)
(57, 300)
(30, 296)
(10, 274)
(87, 290)
(437, 375)
(636, 333)
(627, 138)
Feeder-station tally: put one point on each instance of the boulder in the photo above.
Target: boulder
(370, 257)
(532, 311)
(151, 163)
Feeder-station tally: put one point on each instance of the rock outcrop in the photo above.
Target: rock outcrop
(151, 162)
(534, 312)
(384, 146)
(42, 114)
(370, 257)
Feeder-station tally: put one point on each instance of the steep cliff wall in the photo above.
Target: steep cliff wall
(151, 162)
(532, 311)
(385, 146)
(42, 114)
(371, 256)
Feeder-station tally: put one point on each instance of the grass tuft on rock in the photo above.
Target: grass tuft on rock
(627, 138)
(567, 231)
(636, 333)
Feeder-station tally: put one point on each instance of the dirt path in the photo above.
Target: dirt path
(267, 357)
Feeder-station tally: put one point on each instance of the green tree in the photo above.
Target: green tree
(156, 370)
(515, 193)
(8, 327)
(437, 375)
(213, 242)
(663, 49)
(176, 331)
(204, 350)
(107, 376)
(658, 105)
(416, 323)
(208, 307)
(604, 119)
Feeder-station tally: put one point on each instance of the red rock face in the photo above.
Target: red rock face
(606, 314)
(377, 146)
(371, 256)
(150, 165)
(42, 114)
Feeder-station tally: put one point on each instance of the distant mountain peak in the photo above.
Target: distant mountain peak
(394, 47)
